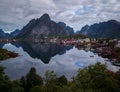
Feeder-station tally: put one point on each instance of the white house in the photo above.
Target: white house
(118, 44)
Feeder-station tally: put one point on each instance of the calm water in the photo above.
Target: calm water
(64, 60)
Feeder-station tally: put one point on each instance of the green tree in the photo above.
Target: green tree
(62, 80)
(50, 81)
(117, 77)
(16, 86)
(6, 85)
(54, 83)
(96, 78)
(33, 79)
(50, 77)
(37, 89)
(23, 82)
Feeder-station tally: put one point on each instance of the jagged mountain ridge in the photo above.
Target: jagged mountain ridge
(14, 33)
(109, 29)
(42, 27)
(70, 30)
(11, 35)
(3, 35)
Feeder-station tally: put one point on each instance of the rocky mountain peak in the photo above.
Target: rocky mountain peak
(107, 29)
(41, 27)
(45, 17)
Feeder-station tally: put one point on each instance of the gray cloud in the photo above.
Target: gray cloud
(76, 13)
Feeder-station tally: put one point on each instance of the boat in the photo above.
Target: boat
(116, 63)
(91, 56)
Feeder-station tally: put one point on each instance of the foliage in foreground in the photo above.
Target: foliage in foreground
(94, 78)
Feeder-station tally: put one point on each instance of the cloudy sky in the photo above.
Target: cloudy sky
(75, 13)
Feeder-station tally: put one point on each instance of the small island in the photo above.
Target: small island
(5, 54)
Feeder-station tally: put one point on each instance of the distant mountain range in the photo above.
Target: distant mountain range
(44, 27)
(109, 29)
(13, 34)
(70, 30)
(3, 34)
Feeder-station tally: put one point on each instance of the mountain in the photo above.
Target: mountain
(70, 31)
(84, 30)
(14, 33)
(109, 29)
(41, 27)
(78, 32)
(3, 35)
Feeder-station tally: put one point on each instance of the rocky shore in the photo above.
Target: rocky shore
(5, 54)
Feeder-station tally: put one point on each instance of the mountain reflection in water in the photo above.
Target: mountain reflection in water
(43, 51)
(1, 45)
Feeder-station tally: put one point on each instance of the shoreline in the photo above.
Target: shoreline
(5, 54)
